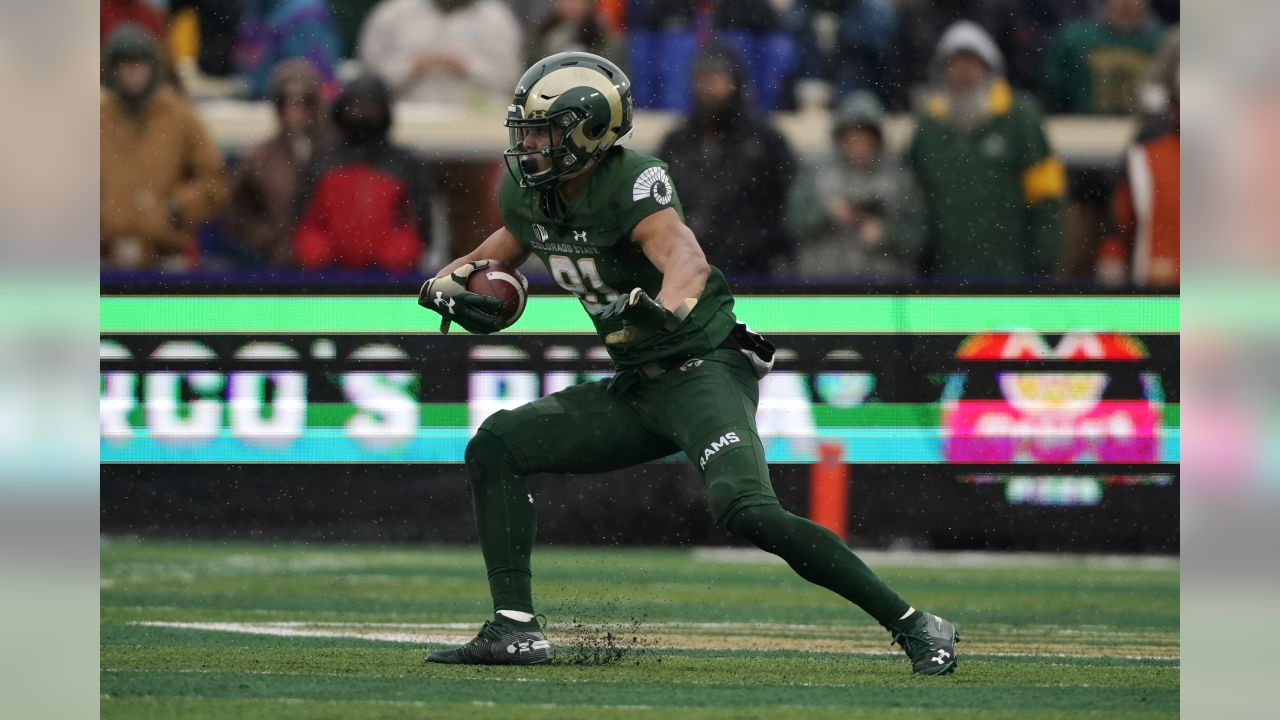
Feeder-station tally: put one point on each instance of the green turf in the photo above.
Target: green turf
(706, 639)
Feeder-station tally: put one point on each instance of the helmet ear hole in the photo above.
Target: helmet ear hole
(595, 131)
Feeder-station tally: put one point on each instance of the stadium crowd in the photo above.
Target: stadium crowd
(978, 195)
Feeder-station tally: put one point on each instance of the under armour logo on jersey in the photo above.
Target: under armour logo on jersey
(441, 302)
(941, 657)
(541, 232)
(690, 365)
(653, 183)
(579, 235)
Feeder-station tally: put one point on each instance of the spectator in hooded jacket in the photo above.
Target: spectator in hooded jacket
(857, 213)
(992, 186)
(1020, 28)
(264, 190)
(161, 173)
(733, 170)
(366, 202)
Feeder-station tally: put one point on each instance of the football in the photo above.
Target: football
(506, 284)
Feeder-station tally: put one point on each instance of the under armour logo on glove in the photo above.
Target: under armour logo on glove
(445, 303)
(448, 295)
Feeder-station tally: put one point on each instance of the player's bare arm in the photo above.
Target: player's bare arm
(672, 248)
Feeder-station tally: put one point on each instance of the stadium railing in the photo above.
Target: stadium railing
(457, 134)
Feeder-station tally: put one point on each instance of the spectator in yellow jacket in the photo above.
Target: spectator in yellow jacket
(161, 174)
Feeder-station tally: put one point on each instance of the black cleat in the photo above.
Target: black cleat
(930, 643)
(501, 641)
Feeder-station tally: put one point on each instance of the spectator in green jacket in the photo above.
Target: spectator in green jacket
(992, 187)
(1096, 65)
(857, 213)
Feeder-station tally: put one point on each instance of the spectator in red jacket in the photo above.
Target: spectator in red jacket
(366, 202)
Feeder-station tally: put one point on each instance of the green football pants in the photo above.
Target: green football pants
(705, 409)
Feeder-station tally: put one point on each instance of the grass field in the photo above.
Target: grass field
(250, 631)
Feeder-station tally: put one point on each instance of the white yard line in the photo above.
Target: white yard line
(957, 559)
(429, 633)
(290, 629)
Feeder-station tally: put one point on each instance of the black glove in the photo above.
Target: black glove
(448, 295)
(640, 314)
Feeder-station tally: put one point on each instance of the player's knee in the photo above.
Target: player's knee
(748, 521)
(731, 490)
(482, 447)
(484, 454)
(500, 423)
(740, 511)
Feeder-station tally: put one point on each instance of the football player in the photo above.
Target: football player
(608, 224)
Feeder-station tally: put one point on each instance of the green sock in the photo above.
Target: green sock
(821, 557)
(506, 521)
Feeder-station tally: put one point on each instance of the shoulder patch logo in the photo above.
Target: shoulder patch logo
(540, 232)
(652, 183)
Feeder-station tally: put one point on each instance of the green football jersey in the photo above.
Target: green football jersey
(589, 252)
